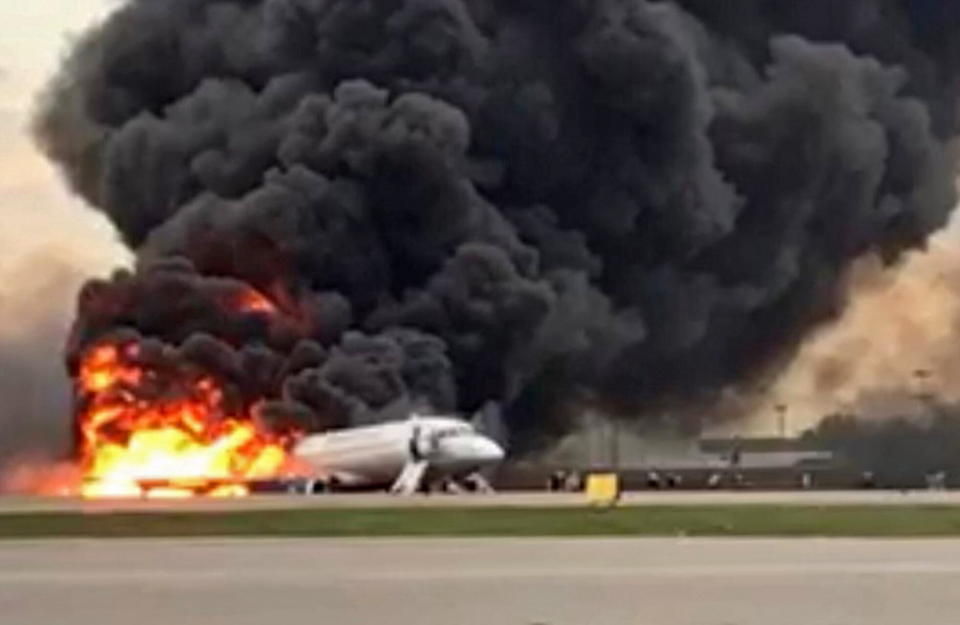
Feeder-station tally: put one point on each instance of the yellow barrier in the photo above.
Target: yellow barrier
(603, 489)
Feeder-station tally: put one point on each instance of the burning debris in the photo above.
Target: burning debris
(342, 205)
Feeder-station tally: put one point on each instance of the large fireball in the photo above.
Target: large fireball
(149, 433)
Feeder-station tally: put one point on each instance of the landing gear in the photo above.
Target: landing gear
(314, 486)
(477, 483)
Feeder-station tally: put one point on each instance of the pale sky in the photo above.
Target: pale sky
(44, 232)
(50, 243)
(33, 37)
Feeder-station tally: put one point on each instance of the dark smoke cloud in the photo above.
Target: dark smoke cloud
(458, 201)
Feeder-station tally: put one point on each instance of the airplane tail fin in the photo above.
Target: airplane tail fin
(489, 421)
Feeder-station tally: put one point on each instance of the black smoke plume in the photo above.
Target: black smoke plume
(532, 202)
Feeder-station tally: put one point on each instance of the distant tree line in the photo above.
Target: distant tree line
(898, 452)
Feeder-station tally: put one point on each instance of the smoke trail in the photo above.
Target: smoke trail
(459, 201)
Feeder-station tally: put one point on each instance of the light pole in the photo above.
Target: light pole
(922, 377)
(923, 393)
(615, 445)
(782, 419)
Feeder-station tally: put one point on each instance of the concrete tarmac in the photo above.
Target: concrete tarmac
(21, 505)
(489, 581)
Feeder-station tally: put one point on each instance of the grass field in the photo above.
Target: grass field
(765, 520)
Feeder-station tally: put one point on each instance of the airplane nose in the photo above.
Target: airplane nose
(489, 451)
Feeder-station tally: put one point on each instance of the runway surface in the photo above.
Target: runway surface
(466, 582)
(532, 499)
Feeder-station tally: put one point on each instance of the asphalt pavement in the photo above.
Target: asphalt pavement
(488, 581)
(507, 499)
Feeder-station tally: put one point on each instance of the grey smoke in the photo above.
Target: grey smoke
(528, 202)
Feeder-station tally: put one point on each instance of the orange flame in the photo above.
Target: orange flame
(180, 445)
(253, 301)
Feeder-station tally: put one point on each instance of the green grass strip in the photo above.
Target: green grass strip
(741, 520)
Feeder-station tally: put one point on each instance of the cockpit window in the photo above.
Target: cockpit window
(453, 431)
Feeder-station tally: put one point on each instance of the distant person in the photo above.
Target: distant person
(867, 480)
(714, 480)
(936, 481)
(941, 480)
(556, 481)
(653, 480)
(674, 480)
(806, 481)
(736, 454)
(573, 483)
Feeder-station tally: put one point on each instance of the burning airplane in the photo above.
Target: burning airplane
(341, 206)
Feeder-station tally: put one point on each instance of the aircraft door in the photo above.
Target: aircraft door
(422, 445)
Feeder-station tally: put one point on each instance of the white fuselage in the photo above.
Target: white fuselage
(376, 455)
